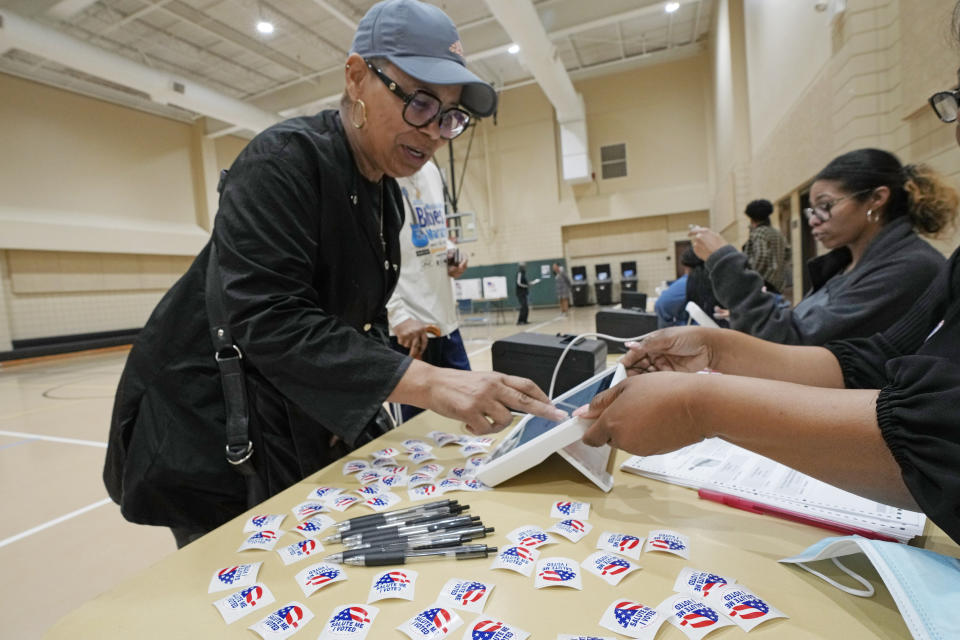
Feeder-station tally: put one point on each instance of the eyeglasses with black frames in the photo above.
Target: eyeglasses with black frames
(420, 108)
(946, 104)
(822, 211)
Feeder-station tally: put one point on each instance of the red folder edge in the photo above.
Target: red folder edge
(755, 507)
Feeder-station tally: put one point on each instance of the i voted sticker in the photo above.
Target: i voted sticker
(423, 492)
(493, 629)
(743, 607)
(567, 636)
(442, 438)
(299, 550)
(342, 503)
(370, 490)
(382, 502)
(609, 567)
(433, 469)
(564, 509)
(355, 466)
(558, 572)
(474, 463)
(466, 595)
(519, 559)
(260, 522)
(419, 478)
(368, 477)
(472, 449)
(349, 621)
(699, 583)
(284, 622)
(324, 493)
(449, 484)
(379, 463)
(307, 509)
(694, 617)
(669, 542)
(264, 540)
(393, 583)
(393, 480)
(622, 543)
(313, 527)
(572, 529)
(319, 575)
(632, 619)
(237, 605)
(473, 484)
(238, 575)
(414, 444)
(433, 623)
(388, 452)
(419, 457)
(530, 536)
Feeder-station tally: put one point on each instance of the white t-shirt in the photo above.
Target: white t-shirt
(424, 291)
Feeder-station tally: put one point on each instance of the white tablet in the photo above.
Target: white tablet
(534, 438)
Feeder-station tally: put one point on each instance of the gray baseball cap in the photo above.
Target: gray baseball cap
(423, 42)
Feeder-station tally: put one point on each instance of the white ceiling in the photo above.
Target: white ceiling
(299, 68)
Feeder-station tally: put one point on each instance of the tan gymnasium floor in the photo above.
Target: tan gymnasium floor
(63, 541)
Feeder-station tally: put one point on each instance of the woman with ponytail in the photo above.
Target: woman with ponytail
(867, 209)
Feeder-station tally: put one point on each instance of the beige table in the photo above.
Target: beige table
(170, 600)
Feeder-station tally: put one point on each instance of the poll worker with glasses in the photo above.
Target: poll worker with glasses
(876, 416)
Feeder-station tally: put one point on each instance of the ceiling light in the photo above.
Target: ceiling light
(265, 27)
(671, 7)
(514, 49)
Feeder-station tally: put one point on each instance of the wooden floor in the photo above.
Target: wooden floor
(63, 541)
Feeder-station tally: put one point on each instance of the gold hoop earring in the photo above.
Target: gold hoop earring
(363, 114)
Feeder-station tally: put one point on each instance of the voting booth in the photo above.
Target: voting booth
(604, 284)
(628, 276)
(580, 287)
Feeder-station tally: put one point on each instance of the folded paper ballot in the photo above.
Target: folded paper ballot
(719, 466)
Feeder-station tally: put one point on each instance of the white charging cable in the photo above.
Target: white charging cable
(579, 338)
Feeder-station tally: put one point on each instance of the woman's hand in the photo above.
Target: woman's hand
(644, 415)
(412, 335)
(483, 400)
(672, 349)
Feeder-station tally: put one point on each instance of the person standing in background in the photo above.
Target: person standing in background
(563, 287)
(766, 248)
(422, 312)
(523, 293)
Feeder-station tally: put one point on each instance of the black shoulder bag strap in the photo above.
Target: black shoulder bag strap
(239, 448)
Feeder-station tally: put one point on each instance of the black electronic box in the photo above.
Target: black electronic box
(624, 323)
(534, 356)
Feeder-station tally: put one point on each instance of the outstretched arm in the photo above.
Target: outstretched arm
(830, 434)
(732, 352)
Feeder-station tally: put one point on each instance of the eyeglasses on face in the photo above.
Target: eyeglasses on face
(420, 108)
(823, 210)
(945, 104)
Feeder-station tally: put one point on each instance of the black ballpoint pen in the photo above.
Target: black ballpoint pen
(452, 539)
(388, 516)
(426, 527)
(460, 535)
(400, 556)
(410, 519)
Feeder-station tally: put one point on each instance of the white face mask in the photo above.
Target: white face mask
(924, 584)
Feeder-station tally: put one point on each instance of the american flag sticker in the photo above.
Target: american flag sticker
(530, 536)
(309, 508)
(557, 572)
(609, 567)
(484, 628)
(631, 619)
(699, 583)
(249, 599)
(263, 521)
(694, 617)
(299, 550)
(234, 577)
(433, 623)
(563, 509)
(350, 621)
(622, 544)
(382, 502)
(573, 529)
(744, 608)
(669, 542)
(516, 558)
(313, 527)
(264, 540)
(284, 622)
(466, 595)
(318, 576)
(393, 583)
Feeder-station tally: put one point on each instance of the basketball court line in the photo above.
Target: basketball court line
(54, 522)
(34, 436)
